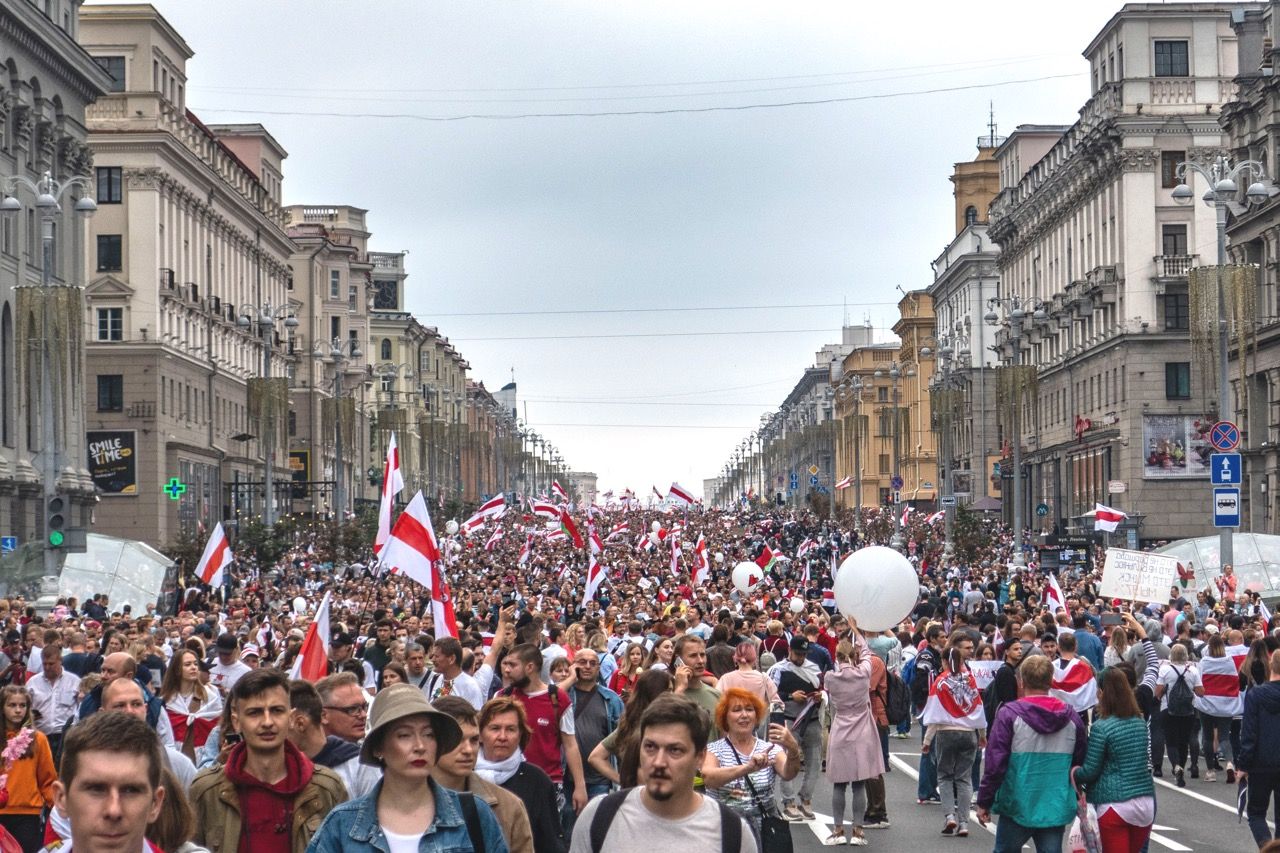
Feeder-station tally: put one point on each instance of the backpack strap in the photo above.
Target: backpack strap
(604, 816)
(730, 829)
(472, 816)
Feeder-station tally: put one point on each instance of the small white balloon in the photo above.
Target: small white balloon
(451, 527)
(876, 586)
(655, 527)
(719, 557)
(797, 605)
(745, 576)
(299, 604)
(455, 547)
(653, 537)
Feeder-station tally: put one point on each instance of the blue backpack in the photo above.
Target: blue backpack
(909, 670)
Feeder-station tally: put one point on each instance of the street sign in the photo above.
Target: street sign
(1042, 510)
(813, 481)
(1226, 507)
(8, 544)
(1224, 436)
(1225, 469)
(1117, 487)
(813, 470)
(896, 483)
(948, 500)
(926, 485)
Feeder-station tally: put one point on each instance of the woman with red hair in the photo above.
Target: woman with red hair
(740, 769)
(748, 677)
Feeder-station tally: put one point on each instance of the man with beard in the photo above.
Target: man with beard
(664, 812)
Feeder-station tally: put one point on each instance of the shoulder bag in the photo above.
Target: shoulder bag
(775, 831)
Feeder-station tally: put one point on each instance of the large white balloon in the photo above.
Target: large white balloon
(655, 527)
(719, 557)
(797, 605)
(877, 586)
(746, 576)
(451, 527)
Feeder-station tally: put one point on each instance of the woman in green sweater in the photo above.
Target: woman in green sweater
(1117, 768)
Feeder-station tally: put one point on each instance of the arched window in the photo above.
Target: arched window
(386, 349)
(970, 216)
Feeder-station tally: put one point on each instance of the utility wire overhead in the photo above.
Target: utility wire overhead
(665, 111)
(830, 330)
(672, 309)
(362, 89)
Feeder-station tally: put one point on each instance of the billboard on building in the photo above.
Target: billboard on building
(300, 473)
(1175, 446)
(113, 461)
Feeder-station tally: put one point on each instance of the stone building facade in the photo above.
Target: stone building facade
(1096, 252)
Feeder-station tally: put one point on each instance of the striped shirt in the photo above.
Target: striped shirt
(736, 795)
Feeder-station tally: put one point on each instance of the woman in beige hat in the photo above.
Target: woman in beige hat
(407, 810)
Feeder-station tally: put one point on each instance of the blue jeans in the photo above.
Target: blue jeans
(598, 789)
(1011, 835)
(927, 787)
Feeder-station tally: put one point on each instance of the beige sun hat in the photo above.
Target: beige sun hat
(404, 700)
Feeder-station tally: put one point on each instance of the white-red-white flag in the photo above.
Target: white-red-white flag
(559, 490)
(312, 663)
(546, 509)
(494, 539)
(618, 530)
(446, 624)
(935, 517)
(675, 553)
(216, 557)
(392, 485)
(845, 483)
(681, 494)
(701, 565)
(526, 550)
(1053, 597)
(412, 549)
(1106, 518)
(906, 511)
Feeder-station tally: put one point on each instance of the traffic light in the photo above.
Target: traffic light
(56, 522)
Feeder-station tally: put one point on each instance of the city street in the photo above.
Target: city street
(1200, 817)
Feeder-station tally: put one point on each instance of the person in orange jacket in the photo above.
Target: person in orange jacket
(29, 775)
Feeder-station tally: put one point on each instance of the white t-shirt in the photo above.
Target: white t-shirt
(1169, 677)
(634, 827)
(398, 843)
(225, 677)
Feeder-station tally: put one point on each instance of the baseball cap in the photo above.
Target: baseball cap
(250, 649)
(226, 643)
(342, 638)
(799, 644)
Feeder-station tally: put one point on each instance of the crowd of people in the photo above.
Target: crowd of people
(670, 706)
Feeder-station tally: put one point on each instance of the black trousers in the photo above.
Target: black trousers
(27, 829)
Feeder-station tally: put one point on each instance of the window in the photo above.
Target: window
(335, 330)
(970, 216)
(293, 423)
(886, 424)
(335, 284)
(111, 393)
(1171, 59)
(1169, 161)
(385, 350)
(882, 394)
(111, 324)
(109, 191)
(886, 497)
(109, 253)
(1177, 312)
(1173, 239)
(114, 66)
(1177, 380)
(884, 463)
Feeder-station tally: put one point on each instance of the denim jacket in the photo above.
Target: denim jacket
(353, 826)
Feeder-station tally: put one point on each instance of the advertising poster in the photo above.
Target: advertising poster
(1175, 446)
(113, 461)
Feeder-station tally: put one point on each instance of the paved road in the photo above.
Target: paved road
(1200, 817)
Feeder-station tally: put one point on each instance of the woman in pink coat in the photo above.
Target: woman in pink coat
(853, 746)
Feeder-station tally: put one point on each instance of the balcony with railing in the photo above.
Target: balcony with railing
(141, 410)
(1174, 266)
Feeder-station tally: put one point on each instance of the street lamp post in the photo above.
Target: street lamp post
(49, 195)
(264, 325)
(945, 381)
(1221, 176)
(338, 353)
(1015, 309)
(895, 372)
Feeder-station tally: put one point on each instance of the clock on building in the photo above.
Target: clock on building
(386, 295)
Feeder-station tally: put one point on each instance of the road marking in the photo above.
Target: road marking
(1202, 798)
(1164, 841)
(915, 774)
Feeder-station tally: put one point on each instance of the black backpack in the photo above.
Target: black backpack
(1181, 697)
(897, 698)
(730, 823)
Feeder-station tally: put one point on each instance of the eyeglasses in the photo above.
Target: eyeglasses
(361, 710)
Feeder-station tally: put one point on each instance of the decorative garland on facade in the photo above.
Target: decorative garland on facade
(1240, 296)
(346, 408)
(65, 308)
(1014, 384)
(269, 406)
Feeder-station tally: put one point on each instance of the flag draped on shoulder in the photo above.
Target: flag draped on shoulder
(312, 663)
(1221, 681)
(1075, 684)
(1106, 518)
(954, 700)
(216, 557)
(392, 485)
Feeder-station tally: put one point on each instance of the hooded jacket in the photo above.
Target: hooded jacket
(1033, 744)
(1260, 729)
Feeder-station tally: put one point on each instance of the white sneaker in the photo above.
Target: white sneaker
(835, 839)
(858, 840)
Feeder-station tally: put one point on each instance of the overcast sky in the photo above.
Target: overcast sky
(820, 204)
